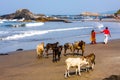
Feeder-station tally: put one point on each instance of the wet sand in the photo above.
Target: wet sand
(23, 65)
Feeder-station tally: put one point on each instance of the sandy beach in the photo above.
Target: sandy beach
(23, 65)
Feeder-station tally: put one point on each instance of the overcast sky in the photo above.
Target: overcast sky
(59, 6)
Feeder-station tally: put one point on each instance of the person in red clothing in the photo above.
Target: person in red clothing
(106, 32)
(93, 37)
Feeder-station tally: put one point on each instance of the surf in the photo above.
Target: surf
(23, 34)
(34, 24)
(24, 24)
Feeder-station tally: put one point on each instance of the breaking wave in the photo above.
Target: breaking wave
(34, 24)
(99, 26)
(24, 34)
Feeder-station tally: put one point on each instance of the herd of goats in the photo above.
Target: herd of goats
(86, 62)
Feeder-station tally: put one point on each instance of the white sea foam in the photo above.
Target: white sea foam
(32, 33)
(99, 26)
(1, 21)
(3, 32)
(66, 29)
(25, 34)
(34, 24)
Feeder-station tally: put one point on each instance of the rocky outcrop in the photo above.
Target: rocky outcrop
(21, 13)
(29, 16)
(8, 16)
(24, 13)
(51, 19)
(90, 14)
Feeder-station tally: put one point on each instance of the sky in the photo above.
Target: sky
(59, 7)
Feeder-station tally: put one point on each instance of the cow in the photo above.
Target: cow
(79, 45)
(68, 46)
(57, 52)
(91, 59)
(75, 62)
(40, 49)
(51, 46)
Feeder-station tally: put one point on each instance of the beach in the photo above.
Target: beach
(23, 65)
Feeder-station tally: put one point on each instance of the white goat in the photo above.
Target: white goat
(74, 62)
(40, 49)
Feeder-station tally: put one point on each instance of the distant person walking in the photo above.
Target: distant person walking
(106, 32)
(93, 37)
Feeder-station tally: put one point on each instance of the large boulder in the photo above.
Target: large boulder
(24, 13)
(113, 77)
(21, 13)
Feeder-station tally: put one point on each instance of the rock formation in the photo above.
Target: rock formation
(21, 13)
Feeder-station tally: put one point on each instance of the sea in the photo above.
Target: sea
(27, 35)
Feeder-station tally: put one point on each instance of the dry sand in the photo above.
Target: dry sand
(23, 65)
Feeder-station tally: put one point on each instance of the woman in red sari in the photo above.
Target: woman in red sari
(93, 37)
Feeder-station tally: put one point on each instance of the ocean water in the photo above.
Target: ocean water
(27, 37)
